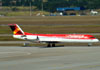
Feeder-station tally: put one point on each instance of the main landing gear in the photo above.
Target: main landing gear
(51, 45)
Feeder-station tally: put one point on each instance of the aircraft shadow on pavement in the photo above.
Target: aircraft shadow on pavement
(58, 46)
(44, 46)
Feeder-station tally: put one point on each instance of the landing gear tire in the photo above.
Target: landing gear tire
(49, 45)
(53, 45)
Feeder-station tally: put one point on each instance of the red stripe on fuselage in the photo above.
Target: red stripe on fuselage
(65, 36)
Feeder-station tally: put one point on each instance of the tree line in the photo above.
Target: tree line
(51, 5)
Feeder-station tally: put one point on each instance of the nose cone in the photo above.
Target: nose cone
(96, 40)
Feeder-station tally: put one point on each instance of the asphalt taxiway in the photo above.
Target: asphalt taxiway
(58, 58)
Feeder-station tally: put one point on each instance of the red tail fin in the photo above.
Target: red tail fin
(16, 29)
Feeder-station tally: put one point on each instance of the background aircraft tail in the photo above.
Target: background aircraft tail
(16, 29)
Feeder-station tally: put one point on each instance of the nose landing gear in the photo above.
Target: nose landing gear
(89, 44)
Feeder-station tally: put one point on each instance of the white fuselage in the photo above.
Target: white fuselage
(54, 39)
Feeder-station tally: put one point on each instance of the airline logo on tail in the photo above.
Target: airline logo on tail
(16, 29)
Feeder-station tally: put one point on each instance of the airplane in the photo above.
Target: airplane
(52, 39)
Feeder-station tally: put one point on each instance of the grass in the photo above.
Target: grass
(53, 18)
(57, 20)
(52, 24)
(8, 38)
(11, 45)
(21, 13)
(62, 29)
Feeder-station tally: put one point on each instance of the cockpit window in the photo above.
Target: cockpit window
(92, 37)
